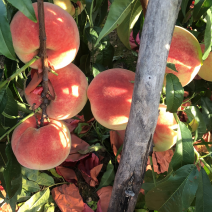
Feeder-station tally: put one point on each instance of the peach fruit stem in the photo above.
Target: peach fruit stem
(153, 172)
(176, 118)
(209, 168)
(53, 72)
(57, 184)
(22, 120)
(19, 71)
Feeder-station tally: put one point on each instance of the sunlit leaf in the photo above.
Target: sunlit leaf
(108, 176)
(6, 45)
(177, 193)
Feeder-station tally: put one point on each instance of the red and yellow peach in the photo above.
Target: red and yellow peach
(69, 91)
(205, 71)
(110, 95)
(165, 135)
(62, 36)
(185, 53)
(41, 148)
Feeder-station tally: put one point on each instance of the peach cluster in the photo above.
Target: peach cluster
(48, 146)
(110, 92)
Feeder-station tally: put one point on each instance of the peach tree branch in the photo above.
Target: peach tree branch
(43, 55)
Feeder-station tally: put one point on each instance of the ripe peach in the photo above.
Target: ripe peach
(69, 7)
(41, 148)
(185, 53)
(165, 135)
(62, 36)
(70, 88)
(205, 71)
(110, 95)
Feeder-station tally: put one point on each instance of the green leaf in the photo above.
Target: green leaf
(105, 56)
(184, 5)
(140, 201)
(200, 8)
(30, 185)
(118, 12)
(102, 13)
(13, 201)
(10, 109)
(207, 112)
(85, 64)
(207, 35)
(108, 176)
(174, 93)
(29, 173)
(49, 207)
(97, 68)
(193, 112)
(177, 193)
(184, 152)
(23, 196)
(171, 66)
(92, 205)
(25, 7)
(78, 129)
(36, 201)
(204, 192)
(1, 195)
(92, 148)
(12, 173)
(44, 179)
(127, 25)
(119, 152)
(3, 99)
(40, 178)
(6, 45)
(3, 161)
(54, 173)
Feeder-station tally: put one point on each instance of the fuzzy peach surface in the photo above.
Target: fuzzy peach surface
(62, 36)
(205, 71)
(186, 54)
(165, 135)
(70, 87)
(110, 95)
(43, 148)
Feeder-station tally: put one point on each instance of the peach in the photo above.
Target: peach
(185, 53)
(205, 71)
(110, 95)
(68, 6)
(165, 135)
(69, 91)
(41, 148)
(62, 36)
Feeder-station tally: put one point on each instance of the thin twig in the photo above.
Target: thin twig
(43, 55)
(19, 71)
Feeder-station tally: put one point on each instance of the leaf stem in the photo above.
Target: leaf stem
(205, 163)
(19, 71)
(58, 184)
(22, 120)
(176, 117)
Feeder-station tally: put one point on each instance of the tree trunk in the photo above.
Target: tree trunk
(154, 48)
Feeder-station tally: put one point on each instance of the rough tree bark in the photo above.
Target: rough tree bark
(154, 47)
